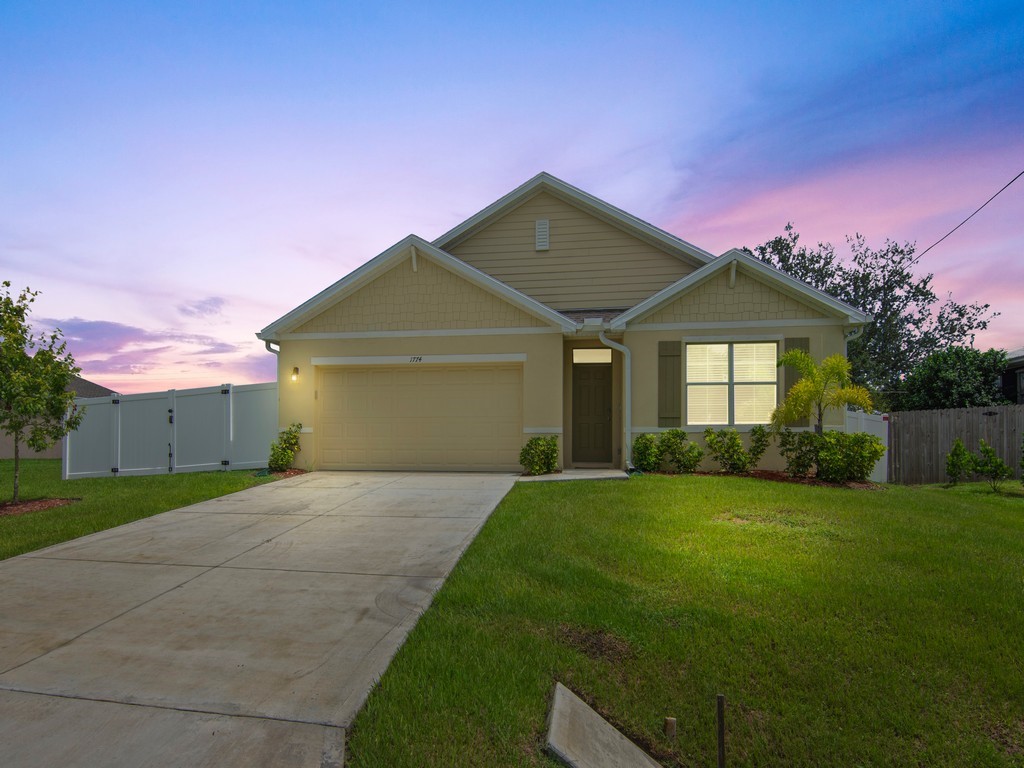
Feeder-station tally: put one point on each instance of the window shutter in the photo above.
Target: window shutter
(670, 384)
(790, 374)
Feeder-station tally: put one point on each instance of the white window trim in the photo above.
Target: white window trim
(731, 383)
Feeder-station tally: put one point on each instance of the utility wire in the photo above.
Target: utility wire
(954, 229)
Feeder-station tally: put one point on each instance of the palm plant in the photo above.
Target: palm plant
(821, 386)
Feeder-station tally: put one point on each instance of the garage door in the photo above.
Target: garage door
(439, 417)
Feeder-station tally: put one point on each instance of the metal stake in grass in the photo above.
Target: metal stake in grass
(670, 728)
(721, 730)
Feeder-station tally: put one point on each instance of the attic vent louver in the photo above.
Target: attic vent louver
(542, 231)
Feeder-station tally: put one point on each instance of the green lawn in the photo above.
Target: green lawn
(844, 627)
(105, 501)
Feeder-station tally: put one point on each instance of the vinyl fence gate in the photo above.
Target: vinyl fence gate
(185, 430)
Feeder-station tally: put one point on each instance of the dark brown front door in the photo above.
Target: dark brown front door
(592, 413)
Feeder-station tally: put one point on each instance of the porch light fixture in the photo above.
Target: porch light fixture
(295, 374)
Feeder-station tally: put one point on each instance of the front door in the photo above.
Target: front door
(592, 413)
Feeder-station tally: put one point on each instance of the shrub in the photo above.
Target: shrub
(959, 462)
(1022, 462)
(991, 467)
(683, 455)
(540, 455)
(845, 457)
(800, 449)
(726, 447)
(283, 450)
(646, 453)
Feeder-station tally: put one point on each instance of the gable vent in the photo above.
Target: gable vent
(542, 234)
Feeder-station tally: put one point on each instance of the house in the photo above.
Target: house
(549, 312)
(1013, 376)
(82, 388)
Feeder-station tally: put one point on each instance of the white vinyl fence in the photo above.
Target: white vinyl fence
(877, 425)
(184, 430)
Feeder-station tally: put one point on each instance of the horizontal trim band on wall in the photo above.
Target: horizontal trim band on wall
(711, 326)
(416, 334)
(542, 430)
(515, 357)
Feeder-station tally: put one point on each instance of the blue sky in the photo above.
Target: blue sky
(174, 177)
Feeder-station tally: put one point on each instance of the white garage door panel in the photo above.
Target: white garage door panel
(421, 417)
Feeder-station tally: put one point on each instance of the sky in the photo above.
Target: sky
(176, 176)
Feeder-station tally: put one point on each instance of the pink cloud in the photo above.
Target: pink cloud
(911, 198)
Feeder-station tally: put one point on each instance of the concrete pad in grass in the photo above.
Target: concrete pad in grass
(581, 738)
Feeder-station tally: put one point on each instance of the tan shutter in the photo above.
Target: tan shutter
(790, 374)
(670, 384)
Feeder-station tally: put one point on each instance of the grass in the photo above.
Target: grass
(105, 502)
(844, 627)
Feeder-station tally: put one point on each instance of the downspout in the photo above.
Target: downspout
(627, 396)
(271, 349)
(850, 336)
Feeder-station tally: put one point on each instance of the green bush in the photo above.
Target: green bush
(1022, 462)
(959, 462)
(800, 450)
(845, 457)
(726, 447)
(683, 455)
(646, 453)
(540, 455)
(991, 467)
(283, 450)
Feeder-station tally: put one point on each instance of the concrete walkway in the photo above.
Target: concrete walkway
(242, 631)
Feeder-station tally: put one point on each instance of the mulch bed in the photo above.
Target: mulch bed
(36, 505)
(289, 473)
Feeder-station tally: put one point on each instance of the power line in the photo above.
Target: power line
(954, 229)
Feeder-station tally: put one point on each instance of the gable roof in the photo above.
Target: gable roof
(768, 274)
(385, 261)
(545, 182)
(85, 388)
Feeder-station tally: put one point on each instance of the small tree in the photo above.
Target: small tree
(991, 467)
(959, 462)
(37, 407)
(820, 387)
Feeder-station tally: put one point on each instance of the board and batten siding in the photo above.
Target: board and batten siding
(589, 263)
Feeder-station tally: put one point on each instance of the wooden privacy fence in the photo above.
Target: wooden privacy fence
(183, 430)
(920, 440)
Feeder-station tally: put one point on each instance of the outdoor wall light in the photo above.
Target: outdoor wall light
(295, 374)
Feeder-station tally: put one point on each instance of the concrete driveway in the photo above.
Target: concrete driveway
(242, 631)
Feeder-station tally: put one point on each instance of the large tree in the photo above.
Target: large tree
(36, 407)
(910, 321)
(958, 377)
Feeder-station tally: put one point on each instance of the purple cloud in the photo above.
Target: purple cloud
(207, 307)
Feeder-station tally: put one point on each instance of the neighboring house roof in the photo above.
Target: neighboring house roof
(779, 280)
(417, 247)
(85, 388)
(1015, 358)
(545, 182)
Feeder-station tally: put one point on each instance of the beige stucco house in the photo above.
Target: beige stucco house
(550, 312)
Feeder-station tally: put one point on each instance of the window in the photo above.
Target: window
(592, 355)
(732, 383)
